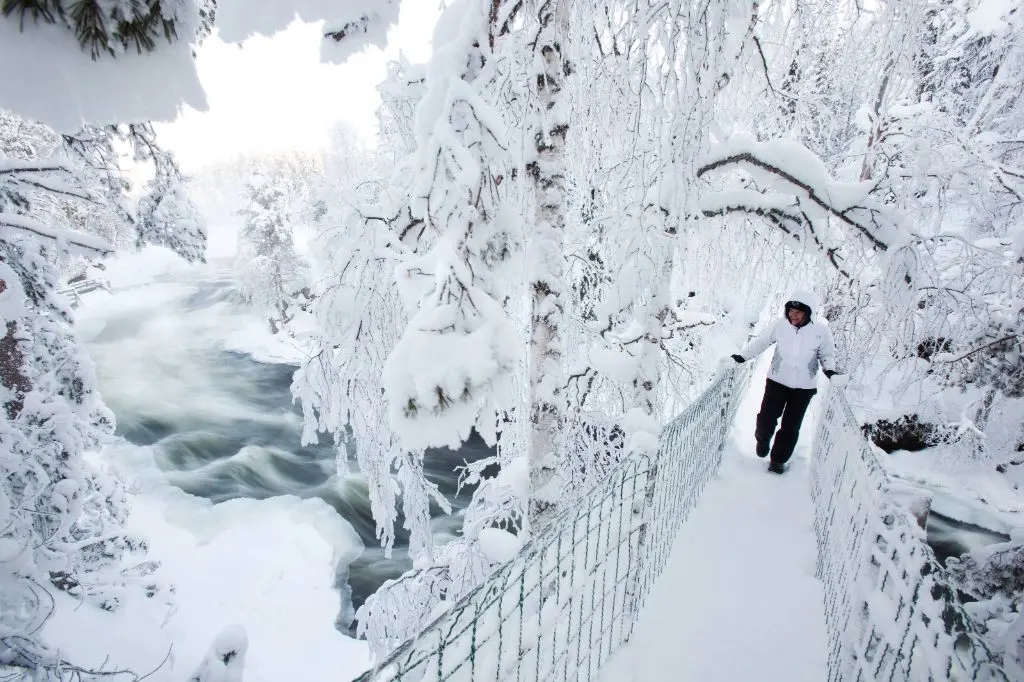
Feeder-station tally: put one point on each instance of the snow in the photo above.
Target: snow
(57, 83)
(13, 224)
(265, 568)
(499, 546)
(991, 17)
(961, 489)
(450, 364)
(226, 660)
(254, 339)
(363, 22)
(12, 303)
(614, 362)
(738, 599)
(515, 476)
(800, 162)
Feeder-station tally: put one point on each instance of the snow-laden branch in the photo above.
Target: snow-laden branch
(797, 167)
(51, 185)
(11, 166)
(88, 243)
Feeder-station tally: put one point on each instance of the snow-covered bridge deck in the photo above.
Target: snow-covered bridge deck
(738, 599)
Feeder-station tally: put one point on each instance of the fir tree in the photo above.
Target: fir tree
(270, 271)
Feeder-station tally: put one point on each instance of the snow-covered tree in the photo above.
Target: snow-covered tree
(434, 355)
(61, 519)
(547, 258)
(271, 274)
(166, 215)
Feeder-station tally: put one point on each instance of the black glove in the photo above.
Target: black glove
(829, 373)
(737, 358)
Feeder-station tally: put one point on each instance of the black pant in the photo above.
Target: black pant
(790, 404)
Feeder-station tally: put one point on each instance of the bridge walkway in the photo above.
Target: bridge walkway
(738, 599)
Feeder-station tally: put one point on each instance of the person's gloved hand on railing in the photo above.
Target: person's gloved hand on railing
(835, 378)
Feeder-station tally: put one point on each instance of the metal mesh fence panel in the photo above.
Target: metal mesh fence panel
(890, 611)
(570, 598)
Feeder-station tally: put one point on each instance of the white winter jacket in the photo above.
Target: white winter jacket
(798, 350)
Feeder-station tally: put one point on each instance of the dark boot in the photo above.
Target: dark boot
(776, 467)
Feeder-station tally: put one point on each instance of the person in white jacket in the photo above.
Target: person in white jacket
(801, 345)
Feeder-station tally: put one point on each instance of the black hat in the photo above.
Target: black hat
(797, 305)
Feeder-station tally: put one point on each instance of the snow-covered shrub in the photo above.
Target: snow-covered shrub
(61, 518)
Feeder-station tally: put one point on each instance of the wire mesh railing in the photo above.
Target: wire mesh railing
(890, 611)
(569, 600)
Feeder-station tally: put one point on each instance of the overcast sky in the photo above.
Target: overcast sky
(274, 94)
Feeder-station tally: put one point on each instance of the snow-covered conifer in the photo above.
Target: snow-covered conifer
(166, 215)
(270, 271)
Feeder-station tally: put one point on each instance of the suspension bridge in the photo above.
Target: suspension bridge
(689, 565)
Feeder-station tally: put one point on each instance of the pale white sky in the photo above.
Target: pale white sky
(274, 94)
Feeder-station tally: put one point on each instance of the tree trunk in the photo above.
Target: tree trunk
(648, 380)
(547, 308)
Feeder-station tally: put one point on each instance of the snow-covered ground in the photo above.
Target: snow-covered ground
(965, 490)
(265, 565)
(738, 599)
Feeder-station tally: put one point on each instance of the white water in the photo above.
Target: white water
(223, 494)
(250, 527)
